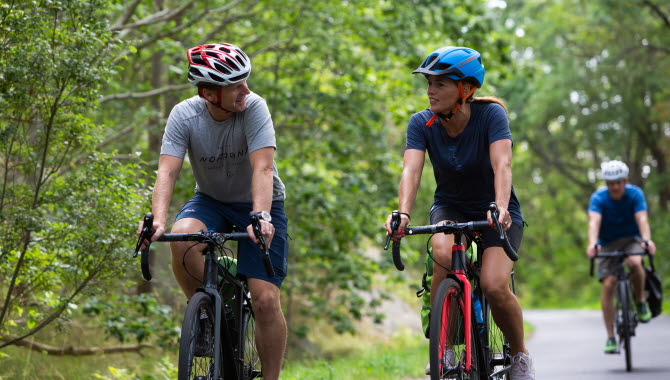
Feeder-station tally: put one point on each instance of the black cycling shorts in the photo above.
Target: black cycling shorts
(489, 238)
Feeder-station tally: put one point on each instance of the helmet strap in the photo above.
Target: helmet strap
(219, 92)
(461, 100)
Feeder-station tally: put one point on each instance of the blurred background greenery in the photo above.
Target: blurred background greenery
(86, 87)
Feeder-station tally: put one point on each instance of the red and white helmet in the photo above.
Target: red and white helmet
(220, 64)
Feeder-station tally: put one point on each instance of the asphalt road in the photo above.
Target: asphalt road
(568, 344)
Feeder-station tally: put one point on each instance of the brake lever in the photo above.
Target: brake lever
(145, 233)
(256, 226)
(395, 223)
(493, 207)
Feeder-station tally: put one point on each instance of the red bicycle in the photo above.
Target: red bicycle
(465, 343)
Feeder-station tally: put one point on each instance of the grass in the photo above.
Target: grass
(402, 356)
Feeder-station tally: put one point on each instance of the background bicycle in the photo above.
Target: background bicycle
(625, 321)
(218, 332)
(464, 343)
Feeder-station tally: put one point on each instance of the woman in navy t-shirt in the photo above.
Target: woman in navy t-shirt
(470, 147)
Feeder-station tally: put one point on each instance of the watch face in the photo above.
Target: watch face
(265, 216)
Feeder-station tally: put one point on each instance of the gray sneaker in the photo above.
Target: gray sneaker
(522, 367)
(449, 360)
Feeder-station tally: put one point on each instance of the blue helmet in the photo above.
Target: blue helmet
(454, 62)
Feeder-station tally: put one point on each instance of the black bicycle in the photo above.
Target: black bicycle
(462, 344)
(625, 320)
(218, 332)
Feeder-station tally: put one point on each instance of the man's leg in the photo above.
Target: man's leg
(607, 303)
(270, 326)
(637, 277)
(187, 263)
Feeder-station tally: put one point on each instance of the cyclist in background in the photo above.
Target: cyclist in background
(470, 146)
(618, 222)
(228, 133)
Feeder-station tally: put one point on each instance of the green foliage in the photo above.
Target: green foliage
(136, 316)
(402, 356)
(64, 208)
(340, 95)
(590, 84)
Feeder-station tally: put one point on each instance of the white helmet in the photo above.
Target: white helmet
(220, 64)
(614, 170)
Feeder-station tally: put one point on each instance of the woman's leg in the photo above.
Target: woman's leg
(506, 310)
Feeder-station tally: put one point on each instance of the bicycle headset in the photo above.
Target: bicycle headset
(457, 63)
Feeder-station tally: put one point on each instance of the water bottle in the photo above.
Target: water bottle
(477, 309)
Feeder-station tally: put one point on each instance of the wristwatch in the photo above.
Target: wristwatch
(265, 216)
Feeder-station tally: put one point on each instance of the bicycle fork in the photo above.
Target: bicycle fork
(458, 273)
(209, 287)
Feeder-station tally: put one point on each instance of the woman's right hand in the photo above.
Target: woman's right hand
(404, 222)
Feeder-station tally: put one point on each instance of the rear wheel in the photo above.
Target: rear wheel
(447, 336)
(497, 352)
(624, 321)
(196, 345)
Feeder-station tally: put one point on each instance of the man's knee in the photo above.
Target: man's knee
(265, 300)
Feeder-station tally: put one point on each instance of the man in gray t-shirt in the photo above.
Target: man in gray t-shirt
(229, 137)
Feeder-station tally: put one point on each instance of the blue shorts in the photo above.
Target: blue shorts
(228, 217)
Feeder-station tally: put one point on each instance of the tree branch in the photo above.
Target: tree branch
(127, 13)
(656, 9)
(75, 351)
(138, 95)
(161, 16)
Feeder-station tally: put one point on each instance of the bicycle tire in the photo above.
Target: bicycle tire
(447, 330)
(497, 353)
(250, 366)
(196, 344)
(624, 329)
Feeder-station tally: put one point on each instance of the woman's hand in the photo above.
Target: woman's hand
(404, 222)
(504, 218)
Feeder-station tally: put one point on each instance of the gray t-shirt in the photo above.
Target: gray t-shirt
(219, 151)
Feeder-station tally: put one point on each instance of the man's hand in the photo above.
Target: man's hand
(592, 250)
(158, 228)
(267, 230)
(651, 247)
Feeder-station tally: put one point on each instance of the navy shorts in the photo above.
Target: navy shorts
(228, 217)
(490, 237)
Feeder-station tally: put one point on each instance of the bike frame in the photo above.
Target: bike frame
(210, 283)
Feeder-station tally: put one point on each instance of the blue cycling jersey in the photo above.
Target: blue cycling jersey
(618, 217)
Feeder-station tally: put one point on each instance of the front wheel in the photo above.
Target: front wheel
(196, 344)
(624, 321)
(448, 359)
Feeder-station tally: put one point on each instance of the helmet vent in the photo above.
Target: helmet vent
(430, 60)
(232, 64)
(224, 49)
(441, 66)
(216, 77)
(196, 58)
(222, 68)
(195, 72)
(239, 77)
